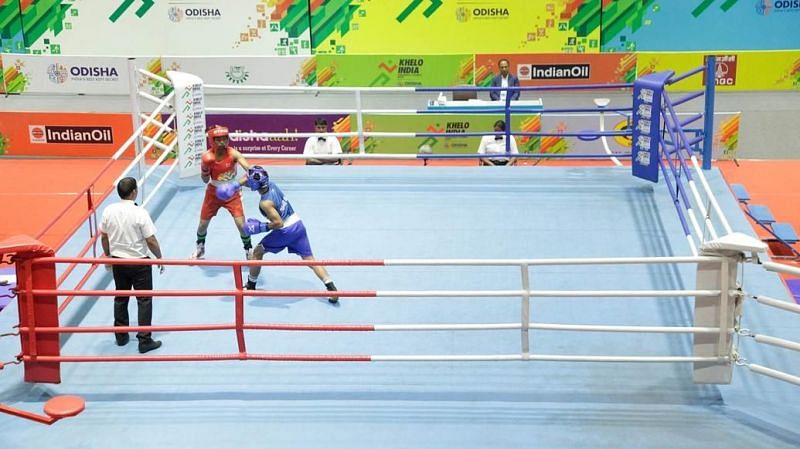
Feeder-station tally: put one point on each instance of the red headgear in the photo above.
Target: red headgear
(217, 131)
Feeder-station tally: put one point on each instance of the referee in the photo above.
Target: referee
(127, 232)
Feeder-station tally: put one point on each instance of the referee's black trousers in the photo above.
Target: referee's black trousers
(138, 277)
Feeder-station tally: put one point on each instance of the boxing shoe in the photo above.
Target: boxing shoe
(332, 288)
(200, 251)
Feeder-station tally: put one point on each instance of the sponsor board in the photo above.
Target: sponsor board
(73, 74)
(179, 13)
(264, 123)
(558, 69)
(734, 71)
(394, 70)
(555, 71)
(64, 133)
(89, 135)
(724, 70)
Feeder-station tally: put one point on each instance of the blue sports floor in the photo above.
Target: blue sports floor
(360, 212)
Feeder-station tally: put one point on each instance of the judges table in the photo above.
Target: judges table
(478, 105)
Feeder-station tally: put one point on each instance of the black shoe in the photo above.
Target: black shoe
(122, 339)
(251, 285)
(149, 345)
(332, 288)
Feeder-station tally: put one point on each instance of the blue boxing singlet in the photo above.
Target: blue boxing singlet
(282, 204)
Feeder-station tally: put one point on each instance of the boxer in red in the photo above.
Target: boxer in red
(218, 166)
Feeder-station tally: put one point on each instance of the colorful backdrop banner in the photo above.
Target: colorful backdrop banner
(11, 37)
(394, 70)
(3, 77)
(457, 26)
(735, 71)
(63, 134)
(550, 69)
(293, 27)
(128, 27)
(650, 25)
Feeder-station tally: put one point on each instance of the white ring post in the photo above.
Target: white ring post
(722, 342)
(712, 312)
(602, 103)
(360, 123)
(526, 307)
(190, 121)
(133, 86)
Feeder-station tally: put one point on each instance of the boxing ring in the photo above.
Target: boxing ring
(524, 274)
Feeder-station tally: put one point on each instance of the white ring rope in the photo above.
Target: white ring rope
(312, 111)
(775, 374)
(310, 88)
(777, 303)
(770, 340)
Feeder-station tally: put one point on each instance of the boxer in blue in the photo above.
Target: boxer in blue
(284, 228)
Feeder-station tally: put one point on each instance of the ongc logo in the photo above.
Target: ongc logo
(57, 73)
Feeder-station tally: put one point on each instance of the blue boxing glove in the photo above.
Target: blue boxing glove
(253, 226)
(228, 190)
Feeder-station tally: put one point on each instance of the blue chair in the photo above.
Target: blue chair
(740, 193)
(761, 214)
(785, 232)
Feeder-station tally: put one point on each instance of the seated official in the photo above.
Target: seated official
(497, 145)
(504, 79)
(322, 145)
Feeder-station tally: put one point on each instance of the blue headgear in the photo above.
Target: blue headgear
(257, 177)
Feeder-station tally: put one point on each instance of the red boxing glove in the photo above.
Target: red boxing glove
(206, 162)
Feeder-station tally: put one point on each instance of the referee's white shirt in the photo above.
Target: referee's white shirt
(329, 146)
(127, 226)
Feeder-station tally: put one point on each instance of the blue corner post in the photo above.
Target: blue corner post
(708, 115)
(648, 93)
(508, 120)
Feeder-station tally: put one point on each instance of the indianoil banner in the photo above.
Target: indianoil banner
(736, 70)
(552, 69)
(63, 133)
